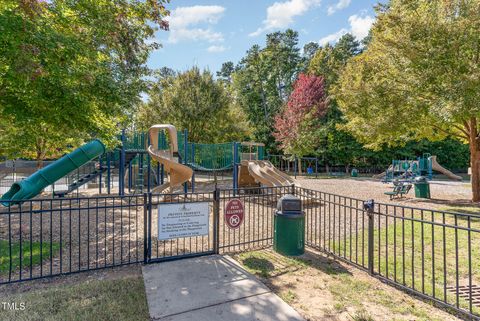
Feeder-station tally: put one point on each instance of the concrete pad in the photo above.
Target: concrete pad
(210, 288)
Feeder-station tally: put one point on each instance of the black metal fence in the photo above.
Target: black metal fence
(433, 254)
(430, 253)
(48, 237)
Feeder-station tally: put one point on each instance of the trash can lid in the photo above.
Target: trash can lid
(289, 203)
(420, 179)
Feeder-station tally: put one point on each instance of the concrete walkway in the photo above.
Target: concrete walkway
(210, 288)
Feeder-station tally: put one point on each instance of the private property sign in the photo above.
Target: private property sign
(234, 213)
(182, 220)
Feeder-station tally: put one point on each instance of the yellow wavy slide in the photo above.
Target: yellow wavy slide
(178, 173)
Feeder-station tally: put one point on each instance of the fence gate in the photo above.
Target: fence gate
(223, 221)
(179, 225)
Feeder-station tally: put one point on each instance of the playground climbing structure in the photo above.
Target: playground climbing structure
(408, 170)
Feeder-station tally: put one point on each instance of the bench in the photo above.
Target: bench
(399, 191)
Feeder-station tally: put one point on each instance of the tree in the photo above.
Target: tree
(263, 80)
(193, 100)
(329, 61)
(306, 105)
(71, 69)
(418, 78)
(310, 49)
(226, 71)
(333, 145)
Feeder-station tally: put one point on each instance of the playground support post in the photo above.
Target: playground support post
(295, 166)
(108, 173)
(100, 164)
(185, 154)
(316, 167)
(235, 168)
(193, 174)
(149, 164)
(162, 174)
(121, 169)
(430, 171)
(129, 177)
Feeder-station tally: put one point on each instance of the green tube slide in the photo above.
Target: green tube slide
(34, 184)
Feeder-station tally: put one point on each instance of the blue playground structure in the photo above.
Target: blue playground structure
(408, 170)
(137, 172)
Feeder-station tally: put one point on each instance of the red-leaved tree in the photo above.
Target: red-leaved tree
(307, 103)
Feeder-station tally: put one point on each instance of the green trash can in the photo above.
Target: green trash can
(289, 226)
(354, 172)
(422, 187)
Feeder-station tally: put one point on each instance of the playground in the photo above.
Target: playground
(96, 208)
(285, 160)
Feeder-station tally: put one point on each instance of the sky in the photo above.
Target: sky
(207, 33)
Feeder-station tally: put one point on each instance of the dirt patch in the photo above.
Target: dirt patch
(321, 288)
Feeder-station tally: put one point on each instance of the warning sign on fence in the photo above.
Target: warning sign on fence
(182, 220)
(234, 213)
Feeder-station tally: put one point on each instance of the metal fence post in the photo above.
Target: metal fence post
(216, 220)
(149, 239)
(369, 206)
(145, 228)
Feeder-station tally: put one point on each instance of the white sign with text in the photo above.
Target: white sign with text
(182, 220)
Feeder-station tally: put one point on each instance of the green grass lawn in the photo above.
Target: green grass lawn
(102, 300)
(401, 247)
(30, 254)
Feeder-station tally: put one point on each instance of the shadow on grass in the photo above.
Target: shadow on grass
(262, 265)
(267, 263)
(323, 263)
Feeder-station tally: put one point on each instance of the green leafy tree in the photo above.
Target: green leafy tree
(333, 145)
(193, 100)
(418, 77)
(263, 81)
(226, 71)
(71, 69)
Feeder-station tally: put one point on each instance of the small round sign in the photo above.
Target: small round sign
(234, 213)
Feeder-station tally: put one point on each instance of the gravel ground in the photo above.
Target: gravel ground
(444, 193)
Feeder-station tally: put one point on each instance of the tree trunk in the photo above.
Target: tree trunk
(475, 164)
(474, 142)
(40, 152)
